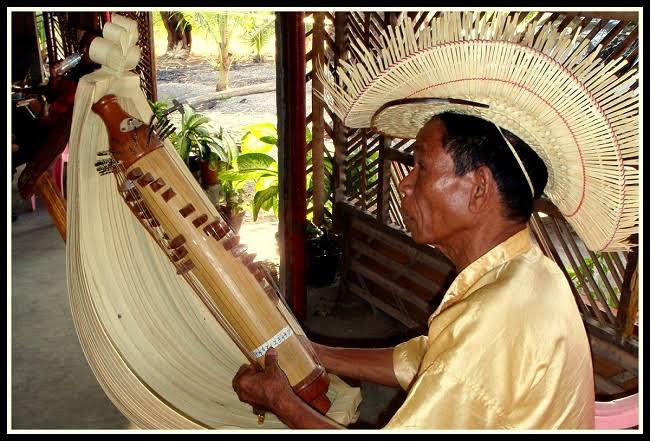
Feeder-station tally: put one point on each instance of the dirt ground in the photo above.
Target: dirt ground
(194, 80)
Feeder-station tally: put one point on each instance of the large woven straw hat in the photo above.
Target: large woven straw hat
(576, 112)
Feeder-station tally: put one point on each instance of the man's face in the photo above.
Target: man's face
(434, 199)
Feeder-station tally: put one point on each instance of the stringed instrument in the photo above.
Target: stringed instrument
(203, 248)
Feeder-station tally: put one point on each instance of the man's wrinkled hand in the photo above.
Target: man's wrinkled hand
(262, 389)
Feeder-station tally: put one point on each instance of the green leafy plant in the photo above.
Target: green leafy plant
(258, 164)
(195, 137)
(259, 31)
(214, 150)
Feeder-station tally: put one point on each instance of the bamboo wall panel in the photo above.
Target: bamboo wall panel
(595, 279)
(146, 68)
(57, 36)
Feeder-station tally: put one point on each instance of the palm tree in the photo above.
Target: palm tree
(220, 26)
(259, 31)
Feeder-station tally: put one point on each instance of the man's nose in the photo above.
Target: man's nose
(405, 187)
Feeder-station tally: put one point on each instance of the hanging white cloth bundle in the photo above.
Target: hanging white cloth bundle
(153, 344)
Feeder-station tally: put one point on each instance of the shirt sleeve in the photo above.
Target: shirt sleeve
(439, 399)
(407, 358)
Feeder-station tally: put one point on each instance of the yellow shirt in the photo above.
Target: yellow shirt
(506, 349)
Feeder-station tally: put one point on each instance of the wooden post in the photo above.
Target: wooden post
(318, 131)
(290, 68)
(151, 77)
(383, 195)
(628, 304)
(340, 137)
(48, 191)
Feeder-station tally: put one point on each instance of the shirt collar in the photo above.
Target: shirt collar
(466, 282)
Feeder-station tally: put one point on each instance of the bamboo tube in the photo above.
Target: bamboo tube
(221, 266)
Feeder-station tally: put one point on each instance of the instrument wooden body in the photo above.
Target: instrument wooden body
(206, 252)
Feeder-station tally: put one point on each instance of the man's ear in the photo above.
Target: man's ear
(483, 188)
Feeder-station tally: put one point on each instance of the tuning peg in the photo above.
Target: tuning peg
(247, 258)
(238, 250)
(230, 242)
(127, 185)
(164, 135)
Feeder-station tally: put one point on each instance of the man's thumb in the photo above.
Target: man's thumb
(271, 357)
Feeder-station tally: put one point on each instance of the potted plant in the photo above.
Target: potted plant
(206, 152)
(257, 164)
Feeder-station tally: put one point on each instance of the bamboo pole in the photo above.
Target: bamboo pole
(383, 195)
(340, 139)
(614, 270)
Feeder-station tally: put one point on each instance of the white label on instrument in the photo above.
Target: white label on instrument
(273, 342)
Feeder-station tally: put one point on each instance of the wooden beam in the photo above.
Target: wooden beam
(628, 304)
(411, 274)
(396, 238)
(547, 207)
(388, 309)
(605, 386)
(608, 334)
(393, 287)
(606, 15)
(615, 354)
(383, 195)
(290, 77)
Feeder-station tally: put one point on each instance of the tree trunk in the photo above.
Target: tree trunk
(224, 68)
(222, 83)
(179, 31)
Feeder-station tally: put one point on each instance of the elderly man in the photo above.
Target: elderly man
(506, 348)
(501, 112)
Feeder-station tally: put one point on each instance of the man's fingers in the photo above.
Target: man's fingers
(242, 371)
